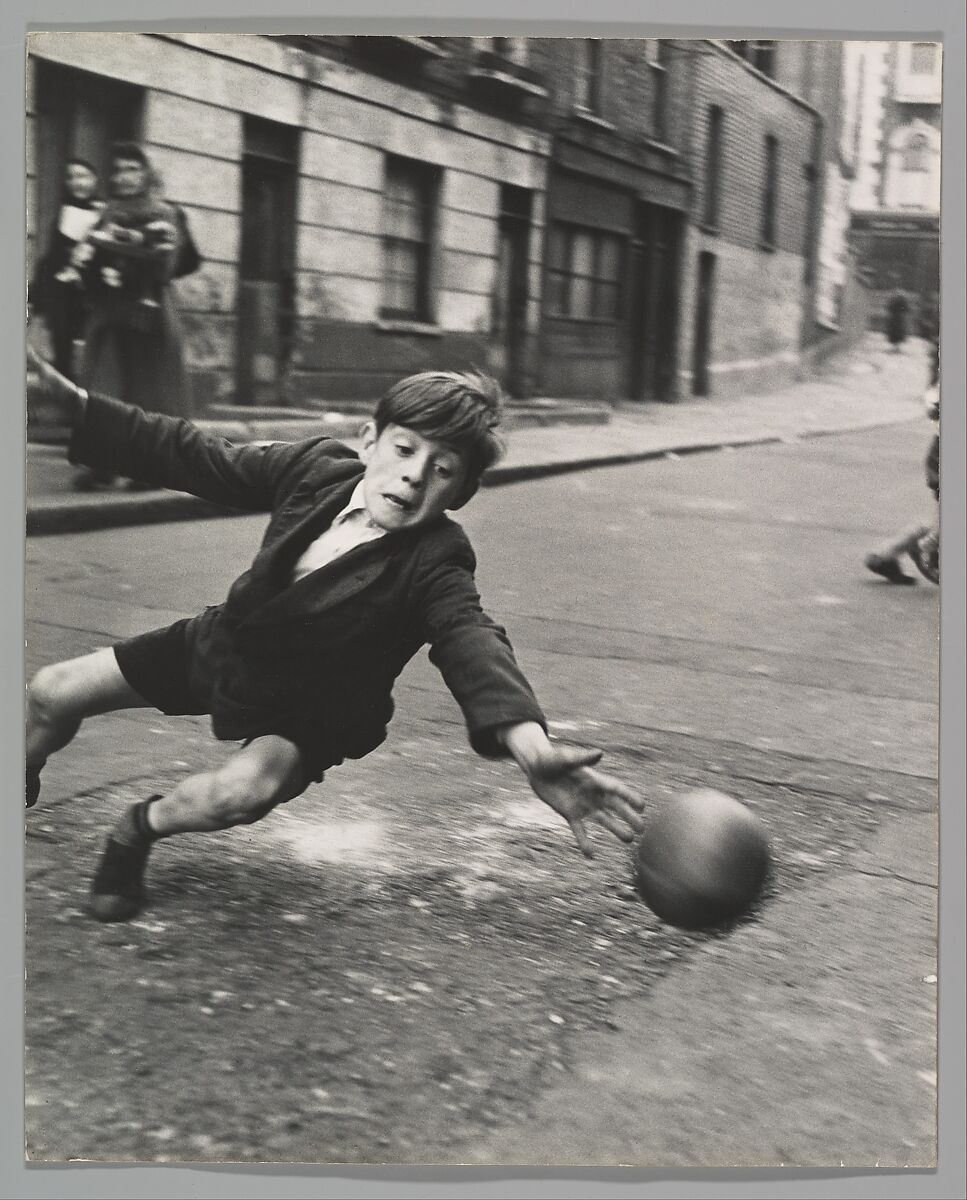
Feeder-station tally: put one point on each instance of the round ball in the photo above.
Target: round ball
(702, 860)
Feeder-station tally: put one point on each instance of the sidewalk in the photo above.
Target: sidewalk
(873, 387)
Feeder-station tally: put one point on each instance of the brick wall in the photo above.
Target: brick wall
(758, 309)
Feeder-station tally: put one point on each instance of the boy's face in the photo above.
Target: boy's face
(409, 479)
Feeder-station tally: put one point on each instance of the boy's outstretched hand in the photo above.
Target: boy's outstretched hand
(55, 386)
(564, 778)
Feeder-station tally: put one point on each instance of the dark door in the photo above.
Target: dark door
(704, 310)
(509, 325)
(266, 303)
(653, 310)
(79, 115)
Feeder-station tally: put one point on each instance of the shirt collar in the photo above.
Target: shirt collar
(356, 504)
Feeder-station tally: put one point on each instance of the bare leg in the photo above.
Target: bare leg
(60, 696)
(905, 543)
(267, 772)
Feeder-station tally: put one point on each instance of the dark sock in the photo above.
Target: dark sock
(133, 828)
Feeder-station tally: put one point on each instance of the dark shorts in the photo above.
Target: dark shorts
(157, 665)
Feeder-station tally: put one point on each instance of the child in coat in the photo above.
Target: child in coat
(359, 567)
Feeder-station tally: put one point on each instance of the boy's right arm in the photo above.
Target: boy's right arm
(166, 451)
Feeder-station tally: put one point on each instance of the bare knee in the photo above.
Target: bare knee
(49, 694)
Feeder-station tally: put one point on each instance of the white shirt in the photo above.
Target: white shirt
(352, 527)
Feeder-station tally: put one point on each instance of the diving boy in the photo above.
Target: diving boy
(359, 567)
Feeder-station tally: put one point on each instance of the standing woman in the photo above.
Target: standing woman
(56, 290)
(133, 340)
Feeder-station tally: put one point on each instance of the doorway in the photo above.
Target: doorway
(266, 299)
(704, 310)
(79, 115)
(653, 309)
(509, 321)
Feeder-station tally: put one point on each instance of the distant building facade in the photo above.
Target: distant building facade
(619, 219)
(895, 199)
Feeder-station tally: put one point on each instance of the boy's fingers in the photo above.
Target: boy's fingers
(616, 826)
(582, 839)
(628, 813)
(627, 794)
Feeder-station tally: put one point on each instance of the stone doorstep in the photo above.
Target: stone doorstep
(288, 425)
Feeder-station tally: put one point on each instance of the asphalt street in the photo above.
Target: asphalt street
(413, 964)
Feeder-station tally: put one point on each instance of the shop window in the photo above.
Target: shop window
(770, 195)
(713, 167)
(409, 203)
(584, 275)
(588, 74)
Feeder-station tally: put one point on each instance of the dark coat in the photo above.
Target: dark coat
(132, 350)
(320, 654)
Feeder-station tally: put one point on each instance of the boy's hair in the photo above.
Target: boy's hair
(462, 409)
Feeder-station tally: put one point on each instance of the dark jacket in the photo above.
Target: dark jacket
(322, 653)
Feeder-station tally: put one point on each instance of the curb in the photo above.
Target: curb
(78, 514)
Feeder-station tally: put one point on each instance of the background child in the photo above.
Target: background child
(921, 544)
(56, 289)
(359, 568)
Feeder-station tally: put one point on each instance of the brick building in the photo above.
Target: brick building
(837, 302)
(611, 219)
(618, 197)
(750, 248)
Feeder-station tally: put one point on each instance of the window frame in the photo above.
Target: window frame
(597, 281)
(769, 216)
(714, 162)
(912, 67)
(427, 179)
(589, 76)
(658, 91)
(918, 143)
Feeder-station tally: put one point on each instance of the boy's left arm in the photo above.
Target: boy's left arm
(503, 716)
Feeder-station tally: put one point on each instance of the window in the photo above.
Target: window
(713, 167)
(916, 153)
(770, 194)
(512, 49)
(584, 277)
(588, 74)
(760, 54)
(657, 55)
(269, 179)
(408, 209)
(923, 58)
